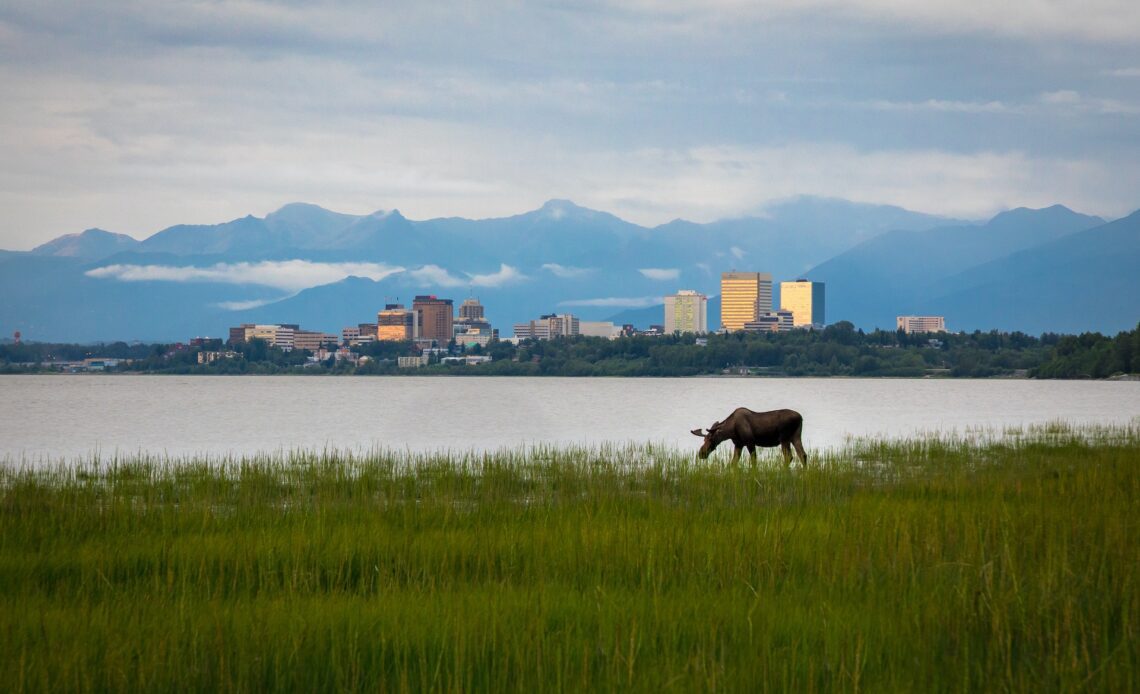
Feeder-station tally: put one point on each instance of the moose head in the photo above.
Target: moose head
(713, 438)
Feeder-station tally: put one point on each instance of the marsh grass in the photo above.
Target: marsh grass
(989, 561)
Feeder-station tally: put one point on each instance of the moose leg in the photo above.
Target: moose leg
(786, 449)
(736, 454)
(800, 449)
(752, 452)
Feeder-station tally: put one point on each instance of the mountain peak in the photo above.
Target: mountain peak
(557, 208)
(298, 210)
(90, 243)
(1046, 216)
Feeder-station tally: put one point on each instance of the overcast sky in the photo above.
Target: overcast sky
(133, 116)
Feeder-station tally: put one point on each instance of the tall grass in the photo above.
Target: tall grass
(1001, 562)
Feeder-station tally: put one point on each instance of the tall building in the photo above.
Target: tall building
(743, 297)
(396, 324)
(471, 309)
(921, 324)
(805, 300)
(471, 326)
(434, 318)
(686, 311)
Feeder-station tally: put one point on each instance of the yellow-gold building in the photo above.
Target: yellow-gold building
(805, 300)
(396, 324)
(743, 297)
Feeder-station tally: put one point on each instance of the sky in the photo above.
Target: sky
(133, 116)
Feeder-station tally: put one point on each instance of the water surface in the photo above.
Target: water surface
(48, 418)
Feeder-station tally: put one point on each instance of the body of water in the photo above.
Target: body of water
(51, 418)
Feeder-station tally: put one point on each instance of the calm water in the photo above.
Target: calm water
(47, 418)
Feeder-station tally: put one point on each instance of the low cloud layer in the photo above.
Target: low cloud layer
(294, 275)
(287, 275)
(660, 274)
(567, 272)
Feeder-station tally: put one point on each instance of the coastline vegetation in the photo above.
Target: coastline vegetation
(979, 562)
(837, 350)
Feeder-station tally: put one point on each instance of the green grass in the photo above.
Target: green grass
(980, 563)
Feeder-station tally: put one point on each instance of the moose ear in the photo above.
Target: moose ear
(697, 432)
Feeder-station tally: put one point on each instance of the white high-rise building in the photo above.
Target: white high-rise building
(686, 312)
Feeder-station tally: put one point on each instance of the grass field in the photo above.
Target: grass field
(977, 563)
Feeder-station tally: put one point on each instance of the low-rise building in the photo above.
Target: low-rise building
(921, 324)
(548, 327)
(412, 362)
(313, 340)
(779, 321)
(605, 329)
(210, 356)
(467, 360)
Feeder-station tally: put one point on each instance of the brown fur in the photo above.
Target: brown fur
(747, 428)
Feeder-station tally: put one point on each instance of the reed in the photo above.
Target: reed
(960, 563)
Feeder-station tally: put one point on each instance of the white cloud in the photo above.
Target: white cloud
(1080, 103)
(941, 105)
(435, 275)
(1098, 20)
(566, 271)
(505, 275)
(737, 252)
(287, 275)
(616, 302)
(660, 274)
(1125, 72)
(244, 305)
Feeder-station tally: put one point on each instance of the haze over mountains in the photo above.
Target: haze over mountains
(1032, 270)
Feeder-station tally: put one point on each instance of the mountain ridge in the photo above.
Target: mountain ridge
(288, 265)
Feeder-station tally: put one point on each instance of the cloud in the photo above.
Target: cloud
(287, 275)
(567, 272)
(1080, 103)
(243, 305)
(505, 275)
(616, 301)
(434, 275)
(660, 274)
(941, 105)
(197, 112)
(737, 252)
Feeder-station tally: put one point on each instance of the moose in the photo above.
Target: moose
(747, 428)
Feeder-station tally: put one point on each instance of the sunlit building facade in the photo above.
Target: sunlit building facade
(805, 299)
(396, 324)
(743, 297)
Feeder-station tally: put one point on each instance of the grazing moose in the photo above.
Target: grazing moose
(747, 428)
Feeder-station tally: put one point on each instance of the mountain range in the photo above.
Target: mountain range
(1042, 270)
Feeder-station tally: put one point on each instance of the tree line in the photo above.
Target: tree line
(837, 350)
